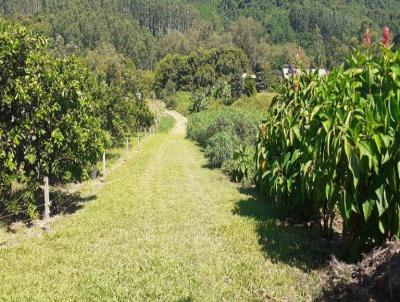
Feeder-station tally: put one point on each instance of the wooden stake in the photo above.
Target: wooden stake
(46, 214)
(104, 164)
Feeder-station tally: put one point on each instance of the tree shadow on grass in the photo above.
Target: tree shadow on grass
(62, 203)
(208, 166)
(66, 203)
(297, 245)
(112, 156)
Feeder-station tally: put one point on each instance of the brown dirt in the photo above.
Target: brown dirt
(375, 278)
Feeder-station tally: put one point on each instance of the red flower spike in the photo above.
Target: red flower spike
(386, 37)
(367, 38)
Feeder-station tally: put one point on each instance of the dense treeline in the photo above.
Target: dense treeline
(128, 25)
(160, 17)
(56, 117)
(200, 69)
(269, 32)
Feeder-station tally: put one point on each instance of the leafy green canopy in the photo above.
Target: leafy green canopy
(333, 143)
(200, 69)
(268, 31)
(49, 123)
(56, 119)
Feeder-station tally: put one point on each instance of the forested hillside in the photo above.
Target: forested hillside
(146, 30)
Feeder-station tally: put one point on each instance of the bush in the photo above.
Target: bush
(332, 143)
(241, 168)
(240, 126)
(222, 92)
(200, 102)
(198, 124)
(249, 86)
(236, 84)
(220, 148)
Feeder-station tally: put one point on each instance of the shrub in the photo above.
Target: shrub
(200, 102)
(260, 71)
(241, 168)
(198, 124)
(222, 92)
(236, 84)
(220, 148)
(249, 86)
(333, 143)
(240, 126)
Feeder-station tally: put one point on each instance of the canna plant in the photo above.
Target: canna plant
(331, 145)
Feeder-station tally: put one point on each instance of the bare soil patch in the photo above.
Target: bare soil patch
(375, 278)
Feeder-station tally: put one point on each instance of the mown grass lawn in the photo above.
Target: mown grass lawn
(164, 228)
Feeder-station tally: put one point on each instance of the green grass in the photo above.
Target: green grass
(167, 122)
(163, 228)
(116, 153)
(258, 102)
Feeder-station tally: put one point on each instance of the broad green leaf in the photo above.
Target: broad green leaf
(354, 166)
(327, 125)
(368, 207)
(347, 148)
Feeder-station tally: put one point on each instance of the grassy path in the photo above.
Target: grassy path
(162, 228)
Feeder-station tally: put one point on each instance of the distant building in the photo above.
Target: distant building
(287, 72)
(245, 75)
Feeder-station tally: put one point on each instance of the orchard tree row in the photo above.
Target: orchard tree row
(56, 117)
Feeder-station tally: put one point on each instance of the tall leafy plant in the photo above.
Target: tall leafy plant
(332, 145)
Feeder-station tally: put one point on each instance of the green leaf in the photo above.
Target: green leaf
(368, 149)
(378, 141)
(327, 125)
(354, 166)
(368, 207)
(345, 206)
(381, 227)
(347, 148)
(328, 191)
(315, 111)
